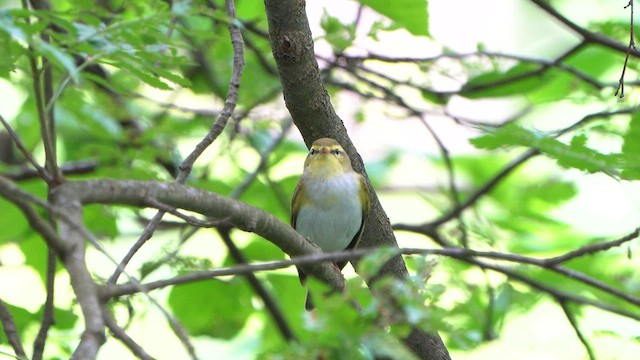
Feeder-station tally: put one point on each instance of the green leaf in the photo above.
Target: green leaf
(370, 265)
(214, 308)
(631, 147)
(596, 61)
(35, 253)
(12, 222)
(409, 14)
(574, 155)
(261, 250)
(132, 66)
(557, 86)
(60, 58)
(339, 35)
(519, 79)
(100, 220)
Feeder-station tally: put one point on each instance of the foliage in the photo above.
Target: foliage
(136, 84)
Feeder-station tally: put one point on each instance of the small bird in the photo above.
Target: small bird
(330, 203)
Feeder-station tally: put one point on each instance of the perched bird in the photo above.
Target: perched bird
(331, 201)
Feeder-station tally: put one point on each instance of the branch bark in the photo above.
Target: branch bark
(84, 287)
(237, 213)
(310, 106)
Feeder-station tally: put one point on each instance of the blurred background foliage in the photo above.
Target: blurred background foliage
(441, 106)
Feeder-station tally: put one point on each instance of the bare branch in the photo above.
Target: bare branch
(10, 331)
(71, 168)
(43, 91)
(120, 334)
(82, 282)
(588, 36)
(47, 314)
(470, 256)
(22, 200)
(576, 327)
(216, 129)
(240, 215)
(632, 45)
(592, 249)
(264, 157)
(42, 172)
(270, 303)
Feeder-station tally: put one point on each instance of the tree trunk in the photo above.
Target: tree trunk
(311, 109)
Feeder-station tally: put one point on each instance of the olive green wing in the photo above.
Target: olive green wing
(295, 205)
(365, 200)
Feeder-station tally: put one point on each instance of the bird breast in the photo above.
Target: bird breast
(332, 214)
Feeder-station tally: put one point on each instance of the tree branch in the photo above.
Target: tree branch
(576, 327)
(82, 282)
(592, 249)
(10, 331)
(239, 214)
(470, 256)
(270, 303)
(122, 335)
(216, 129)
(47, 314)
(42, 172)
(586, 35)
(71, 168)
(310, 107)
(631, 46)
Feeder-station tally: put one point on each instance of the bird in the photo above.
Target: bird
(330, 202)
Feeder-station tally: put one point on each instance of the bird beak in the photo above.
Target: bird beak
(324, 150)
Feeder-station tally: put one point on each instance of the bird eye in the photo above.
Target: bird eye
(336, 151)
(313, 151)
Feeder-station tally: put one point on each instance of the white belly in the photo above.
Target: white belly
(334, 215)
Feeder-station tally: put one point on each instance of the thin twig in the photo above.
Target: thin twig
(270, 303)
(632, 45)
(453, 187)
(466, 255)
(486, 188)
(588, 36)
(42, 172)
(71, 168)
(10, 331)
(592, 249)
(576, 327)
(264, 157)
(42, 96)
(216, 129)
(48, 312)
(210, 223)
(120, 334)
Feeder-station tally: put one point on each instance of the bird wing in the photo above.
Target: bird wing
(365, 200)
(295, 205)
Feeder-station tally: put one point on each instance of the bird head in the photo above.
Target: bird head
(327, 157)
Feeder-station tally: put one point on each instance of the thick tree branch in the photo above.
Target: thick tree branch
(82, 282)
(239, 214)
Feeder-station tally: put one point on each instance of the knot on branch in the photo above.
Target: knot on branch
(292, 47)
